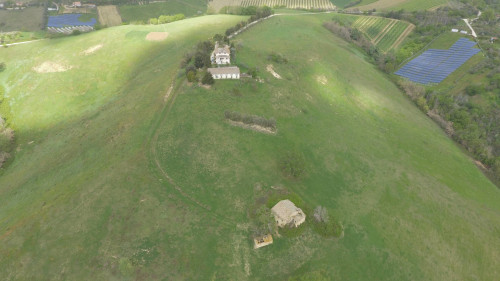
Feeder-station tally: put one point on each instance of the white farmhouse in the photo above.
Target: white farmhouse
(221, 54)
(286, 213)
(230, 72)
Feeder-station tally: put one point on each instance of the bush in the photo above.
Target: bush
(324, 223)
(292, 165)
(191, 76)
(2, 66)
(473, 90)
(153, 21)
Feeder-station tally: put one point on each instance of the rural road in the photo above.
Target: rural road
(470, 27)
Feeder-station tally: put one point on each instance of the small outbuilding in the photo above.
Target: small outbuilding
(230, 72)
(286, 213)
(262, 241)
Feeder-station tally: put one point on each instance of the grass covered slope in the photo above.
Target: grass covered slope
(119, 185)
(413, 205)
(80, 202)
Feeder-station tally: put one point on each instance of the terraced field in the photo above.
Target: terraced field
(408, 5)
(216, 5)
(384, 33)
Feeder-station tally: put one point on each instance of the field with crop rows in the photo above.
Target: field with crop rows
(216, 5)
(407, 5)
(384, 33)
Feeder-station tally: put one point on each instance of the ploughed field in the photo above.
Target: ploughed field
(109, 181)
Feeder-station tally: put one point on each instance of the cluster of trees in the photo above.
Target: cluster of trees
(6, 133)
(251, 119)
(166, 19)
(197, 61)
(277, 58)
(255, 12)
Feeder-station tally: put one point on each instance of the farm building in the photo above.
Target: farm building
(231, 72)
(286, 213)
(221, 55)
(262, 241)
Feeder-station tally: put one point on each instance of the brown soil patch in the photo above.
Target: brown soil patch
(271, 70)
(49, 66)
(157, 36)
(256, 128)
(92, 49)
(108, 15)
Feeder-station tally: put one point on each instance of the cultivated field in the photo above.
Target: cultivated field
(109, 182)
(216, 5)
(29, 19)
(408, 5)
(384, 33)
(143, 13)
(108, 15)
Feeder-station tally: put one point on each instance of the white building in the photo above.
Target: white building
(286, 213)
(221, 55)
(230, 72)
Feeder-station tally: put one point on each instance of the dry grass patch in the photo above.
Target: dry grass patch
(92, 49)
(254, 127)
(322, 79)
(271, 70)
(49, 67)
(157, 36)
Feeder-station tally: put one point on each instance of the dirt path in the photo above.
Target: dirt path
(402, 37)
(384, 31)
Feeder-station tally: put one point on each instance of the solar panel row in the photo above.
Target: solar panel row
(433, 66)
(68, 20)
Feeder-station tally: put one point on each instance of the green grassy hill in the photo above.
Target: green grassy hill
(111, 182)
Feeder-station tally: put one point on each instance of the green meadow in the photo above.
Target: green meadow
(116, 177)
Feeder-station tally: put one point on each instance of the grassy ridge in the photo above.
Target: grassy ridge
(86, 200)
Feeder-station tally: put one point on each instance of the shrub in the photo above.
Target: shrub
(207, 79)
(191, 76)
(153, 21)
(292, 165)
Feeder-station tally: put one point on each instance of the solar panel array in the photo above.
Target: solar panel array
(434, 65)
(68, 20)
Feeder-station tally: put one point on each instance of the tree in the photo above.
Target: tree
(488, 16)
(191, 76)
(207, 79)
